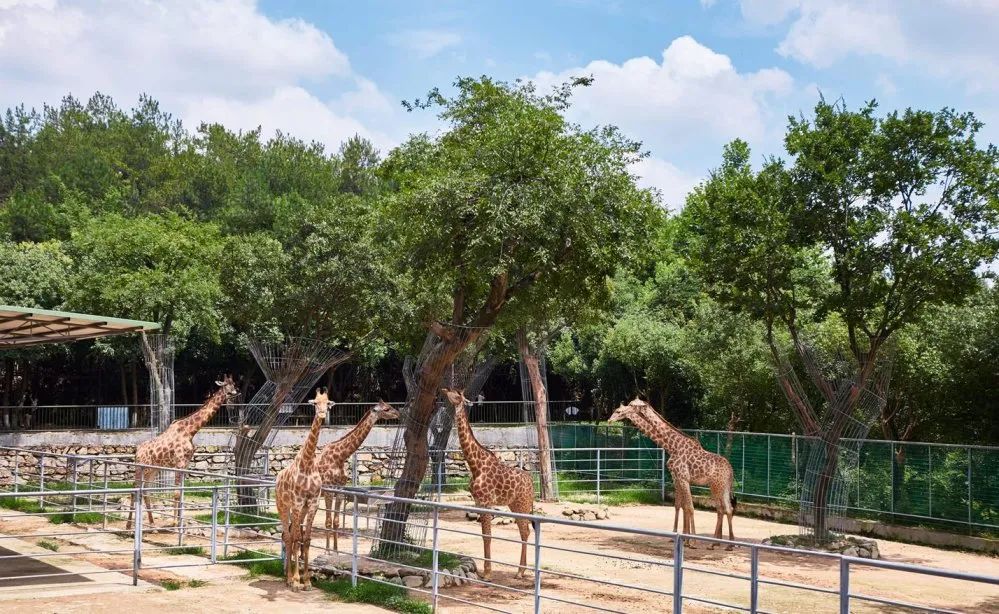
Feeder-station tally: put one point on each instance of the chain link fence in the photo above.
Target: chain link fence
(953, 487)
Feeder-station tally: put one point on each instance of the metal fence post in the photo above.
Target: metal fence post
(215, 524)
(598, 475)
(353, 556)
(754, 579)
(17, 469)
(929, 478)
(662, 474)
(742, 480)
(90, 484)
(969, 489)
(72, 460)
(891, 488)
(768, 464)
(677, 574)
(104, 498)
(353, 469)
(137, 536)
(844, 585)
(436, 562)
(41, 481)
(537, 566)
(228, 515)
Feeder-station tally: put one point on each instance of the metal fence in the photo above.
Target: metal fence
(940, 485)
(115, 417)
(200, 514)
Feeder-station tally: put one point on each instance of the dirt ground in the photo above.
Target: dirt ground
(934, 592)
(590, 555)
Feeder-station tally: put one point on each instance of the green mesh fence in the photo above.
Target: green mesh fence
(942, 486)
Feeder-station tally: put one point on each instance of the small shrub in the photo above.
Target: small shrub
(171, 585)
(48, 545)
(178, 550)
(197, 583)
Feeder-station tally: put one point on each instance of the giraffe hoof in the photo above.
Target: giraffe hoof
(730, 547)
(306, 587)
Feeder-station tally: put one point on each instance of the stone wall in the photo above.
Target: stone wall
(213, 453)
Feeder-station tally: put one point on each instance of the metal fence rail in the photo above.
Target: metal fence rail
(211, 518)
(121, 416)
(941, 485)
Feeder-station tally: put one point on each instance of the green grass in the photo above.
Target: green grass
(178, 550)
(375, 593)
(197, 583)
(248, 560)
(583, 492)
(425, 560)
(171, 585)
(20, 504)
(243, 521)
(48, 545)
(78, 517)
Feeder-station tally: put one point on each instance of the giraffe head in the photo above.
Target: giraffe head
(322, 402)
(384, 411)
(632, 412)
(229, 389)
(457, 397)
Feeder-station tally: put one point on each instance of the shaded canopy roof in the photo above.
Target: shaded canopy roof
(22, 327)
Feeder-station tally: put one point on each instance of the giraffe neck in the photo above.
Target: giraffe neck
(307, 455)
(196, 421)
(476, 455)
(349, 443)
(662, 433)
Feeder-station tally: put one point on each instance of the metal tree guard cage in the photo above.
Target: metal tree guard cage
(466, 372)
(292, 368)
(158, 354)
(831, 469)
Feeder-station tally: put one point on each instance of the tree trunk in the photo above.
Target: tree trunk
(429, 380)
(531, 362)
(247, 446)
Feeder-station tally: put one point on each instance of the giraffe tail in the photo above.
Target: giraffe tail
(733, 501)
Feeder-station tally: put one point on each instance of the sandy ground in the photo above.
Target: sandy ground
(934, 592)
(595, 556)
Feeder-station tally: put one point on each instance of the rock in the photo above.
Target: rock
(567, 512)
(471, 575)
(875, 554)
(851, 551)
(472, 515)
(458, 571)
(412, 581)
(395, 580)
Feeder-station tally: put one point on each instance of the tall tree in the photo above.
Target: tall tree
(510, 205)
(877, 219)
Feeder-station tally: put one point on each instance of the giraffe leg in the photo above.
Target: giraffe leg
(525, 531)
(145, 497)
(131, 512)
(291, 549)
(688, 513)
(178, 480)
(328, 500)
(486, 520)
(306, 544)
(338, 502)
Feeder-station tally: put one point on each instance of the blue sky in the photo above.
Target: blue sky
(683, 76)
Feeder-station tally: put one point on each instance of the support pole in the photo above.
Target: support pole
(353, 556)
(598, 476)
(436, 563)
(537, 566)
(215, 523)
(677, 575)
(754, 579)
(844, 586)
(137, 536)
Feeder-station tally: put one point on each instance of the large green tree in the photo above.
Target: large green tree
(510, 207)
(875, 220)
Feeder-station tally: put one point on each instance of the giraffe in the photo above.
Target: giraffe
(297, 494)
(689, 463)
(333, 458)
(174, 447)
(493, 483)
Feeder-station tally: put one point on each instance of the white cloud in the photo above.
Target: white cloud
(693, 96)
(222, 60)
(886, 85)
(949, 39)
(425, 43)
(671, 182)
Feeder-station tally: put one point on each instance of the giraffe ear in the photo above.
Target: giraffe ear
(312, 401)
(218, 383)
